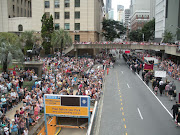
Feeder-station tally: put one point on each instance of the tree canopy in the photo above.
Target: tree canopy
(168, 36)
(60, 39)
(148, 30)
(9, 49)
(46, 30)
(112, 29)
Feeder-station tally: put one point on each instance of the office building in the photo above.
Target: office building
(82, 18)
(127, 20)
(139, 13)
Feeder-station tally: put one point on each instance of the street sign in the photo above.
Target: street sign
(67, 105)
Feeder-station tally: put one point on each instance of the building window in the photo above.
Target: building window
(77, 38)
(13, 8)
(66, 15)
(77, 15)
(56, 3)
(66, 26)
(20, 27)
(77, 26)
(56, 26)
(47, 14)
(56, 14)
(17, 11)
(25, 12)
(25, 3)
(21, 12)
(21, 2)
(77, 3)
(66, 3)
(17, 1)
(46, 4)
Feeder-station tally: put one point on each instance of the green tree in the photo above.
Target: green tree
(149, 30)
(168, 36)
(9, 49)
(60, 39)
(46, 31)
(28, 39)
(136, 35)
(112, 29)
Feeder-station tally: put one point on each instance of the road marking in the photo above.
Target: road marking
(122, 72)
(123, 119)
(155, 96)
(124, 125)
(140, 113)
(128, 85)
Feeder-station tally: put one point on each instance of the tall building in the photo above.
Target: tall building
(160, 11)
(139, 13)
(82, 18)
(152, 9)
(111, 14)
(108, 5)
(127, 15)
(167, 18)
(120, 7)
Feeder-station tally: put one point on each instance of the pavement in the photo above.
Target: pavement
(130, 107)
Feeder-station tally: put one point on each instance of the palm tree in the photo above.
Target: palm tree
(28, 39)
(61, 39)
(9, 49)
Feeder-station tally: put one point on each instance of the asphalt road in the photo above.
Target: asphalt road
(130, 108)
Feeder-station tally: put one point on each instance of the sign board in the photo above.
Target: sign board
(67, 105)
(160, 74)
(127, 51)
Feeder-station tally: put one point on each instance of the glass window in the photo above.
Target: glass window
(56, 3)
(56, 26)
(66, 26)
(20, 27)
(77, 38)
(17, 1)
(21, 2)
(13, 8)
(77, 26)
(77, 3)
(17, 11)
(66, 3)
(56, 14)
(66, 15)
(25, 3)
(77, 15)
(21, 12)
(47, 14)
(25, 12)
(46, 4)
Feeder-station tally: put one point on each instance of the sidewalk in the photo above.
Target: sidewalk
(12, 111)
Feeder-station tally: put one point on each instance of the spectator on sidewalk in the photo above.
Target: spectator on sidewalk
(175, 110)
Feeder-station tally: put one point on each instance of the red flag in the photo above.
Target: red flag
(148, 66)
(127, 51)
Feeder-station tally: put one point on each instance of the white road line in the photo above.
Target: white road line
(155, 96)
(140, 113)
(122, 72)
(128, 85)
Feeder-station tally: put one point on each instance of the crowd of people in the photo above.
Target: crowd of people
(129, 42)
(64, 76)
(171, 68)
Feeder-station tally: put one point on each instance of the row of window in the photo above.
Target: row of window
(57, 3)
(18, 9)
(25, 1)
(67, 26)
(66, 15)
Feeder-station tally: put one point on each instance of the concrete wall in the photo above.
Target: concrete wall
(3, 16)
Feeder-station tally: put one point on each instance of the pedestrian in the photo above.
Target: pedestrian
(175, 110)
(156, 89)
(178, 119)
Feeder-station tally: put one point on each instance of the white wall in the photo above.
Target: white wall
(3, 16)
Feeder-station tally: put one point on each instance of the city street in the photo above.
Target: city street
(130, 108)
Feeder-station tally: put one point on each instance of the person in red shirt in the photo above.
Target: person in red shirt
(21, 111)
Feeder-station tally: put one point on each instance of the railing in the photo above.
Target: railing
(92, 119)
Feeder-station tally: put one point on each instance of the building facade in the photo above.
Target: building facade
(139, 13)
(108, 5)
(127, 20)
(82, 18)
(160, 11)
(111, 14)
(120, 13)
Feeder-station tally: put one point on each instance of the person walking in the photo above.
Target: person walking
(175, 110)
